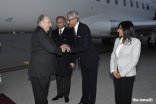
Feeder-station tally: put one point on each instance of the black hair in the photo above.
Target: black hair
(62, 18)
(128, 30)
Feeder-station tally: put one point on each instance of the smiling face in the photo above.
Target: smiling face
(120, 31)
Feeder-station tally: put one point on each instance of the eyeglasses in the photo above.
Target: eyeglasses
(70, 19)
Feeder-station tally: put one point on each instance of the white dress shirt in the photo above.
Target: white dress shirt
(76, 27)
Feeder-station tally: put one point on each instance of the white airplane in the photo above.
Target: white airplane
(102, 16)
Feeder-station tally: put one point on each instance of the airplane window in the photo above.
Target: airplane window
(116, 2)
(143, 6)
(147, 7)
(108, 1)
(137, 4)
(124, 1)
(131, 3)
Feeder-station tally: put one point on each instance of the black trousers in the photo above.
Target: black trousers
(40, 86)
(63, 85)
(89, 84)
(123, 90)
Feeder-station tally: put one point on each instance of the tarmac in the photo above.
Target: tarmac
(16, 50)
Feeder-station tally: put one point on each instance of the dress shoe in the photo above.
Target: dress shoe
(56, 98)
(66, 99)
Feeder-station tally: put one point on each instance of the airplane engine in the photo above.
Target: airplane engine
(100, 29)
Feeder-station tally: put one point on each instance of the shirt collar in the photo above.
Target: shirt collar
(62, 29)
(45, 31)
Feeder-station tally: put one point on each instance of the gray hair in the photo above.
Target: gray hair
(40, 18)
(74, 14)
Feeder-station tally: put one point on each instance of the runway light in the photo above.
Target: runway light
(26, 62)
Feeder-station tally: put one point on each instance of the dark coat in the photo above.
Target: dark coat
(67, 57)
(84, 47)
(43, 54)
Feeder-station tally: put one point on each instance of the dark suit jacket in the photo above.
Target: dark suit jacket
(84, 47)
(43, 54)
(66, 58)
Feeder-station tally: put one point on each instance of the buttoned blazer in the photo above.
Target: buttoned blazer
(63, 68)
(128, 57)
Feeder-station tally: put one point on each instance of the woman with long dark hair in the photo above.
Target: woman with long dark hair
(124, 58)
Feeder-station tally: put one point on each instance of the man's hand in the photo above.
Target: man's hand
(63, 49)
(72, 65)
(65, 46)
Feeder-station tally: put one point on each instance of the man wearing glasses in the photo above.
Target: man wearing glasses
(88, 57)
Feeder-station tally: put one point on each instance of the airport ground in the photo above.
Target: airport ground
(16, 50)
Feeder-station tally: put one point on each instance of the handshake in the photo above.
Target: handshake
(65, 47)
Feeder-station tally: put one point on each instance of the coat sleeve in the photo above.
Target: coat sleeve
(73, 60)
(86, 36)
(134, 60)
(46, 43)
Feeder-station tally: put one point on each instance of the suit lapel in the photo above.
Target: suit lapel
(78, 29)
(41, 29)
(116, 45)
(73, 35)
(78, 32)
(125, 45)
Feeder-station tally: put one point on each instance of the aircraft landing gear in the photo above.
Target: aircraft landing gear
(109, 41)
(151, 42)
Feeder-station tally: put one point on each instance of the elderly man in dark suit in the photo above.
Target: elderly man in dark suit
(88, 57)
(66, 62)
(42, 60)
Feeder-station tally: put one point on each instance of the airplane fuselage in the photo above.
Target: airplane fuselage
(21, 16)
